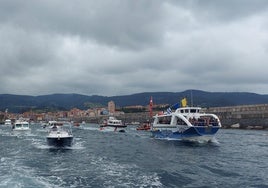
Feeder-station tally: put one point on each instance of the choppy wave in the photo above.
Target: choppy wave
(133, 159)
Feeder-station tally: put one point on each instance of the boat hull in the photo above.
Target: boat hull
(21, 129)
(60, 141)
(113, 128)
(190, 134)
(112, 125)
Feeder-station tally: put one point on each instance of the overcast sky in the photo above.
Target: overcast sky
(120, 47)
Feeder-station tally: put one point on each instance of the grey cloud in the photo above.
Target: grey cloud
(123, 47)
(123, 24)
(218, 11)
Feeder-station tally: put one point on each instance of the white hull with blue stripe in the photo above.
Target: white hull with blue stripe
(187, 124)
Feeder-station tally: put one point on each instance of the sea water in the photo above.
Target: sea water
(236, 158)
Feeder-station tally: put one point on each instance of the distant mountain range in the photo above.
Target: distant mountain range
(22, 103)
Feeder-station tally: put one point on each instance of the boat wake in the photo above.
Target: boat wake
(22, 175)
(127, 175)
(91, 128)
(44, 146)
(213, 141)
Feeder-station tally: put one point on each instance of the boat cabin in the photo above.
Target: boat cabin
(187, 116)
(188, 110)
(21, 125)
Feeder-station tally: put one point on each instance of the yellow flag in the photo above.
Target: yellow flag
(184, 102)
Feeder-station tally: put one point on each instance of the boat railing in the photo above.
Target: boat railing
(205, 121)
(61, 127)
(164, 126)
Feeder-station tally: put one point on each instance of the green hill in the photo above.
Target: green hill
(21, 103)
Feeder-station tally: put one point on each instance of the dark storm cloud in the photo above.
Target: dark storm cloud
(116, 47)
(126, 24)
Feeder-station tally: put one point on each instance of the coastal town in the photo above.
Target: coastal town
(92, 115)
(243, 116)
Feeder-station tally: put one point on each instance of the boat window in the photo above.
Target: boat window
(164, 120)
(186, 110)
(193, 110)
(180, 122)
(182, 111)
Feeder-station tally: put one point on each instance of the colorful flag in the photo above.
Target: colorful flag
(184, 102)
(174, 106)
(169, 111)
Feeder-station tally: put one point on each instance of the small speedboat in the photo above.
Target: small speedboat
(60, 135)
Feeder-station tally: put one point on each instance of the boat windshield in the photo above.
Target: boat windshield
(164, 120)
(189, 110)
(18, 125)
(193, 110)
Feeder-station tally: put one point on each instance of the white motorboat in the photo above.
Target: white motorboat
(59, 134)
(114, 123)
(21, 125)
(8, 122)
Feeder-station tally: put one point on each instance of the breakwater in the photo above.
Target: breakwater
(244, 116)
(127, 118)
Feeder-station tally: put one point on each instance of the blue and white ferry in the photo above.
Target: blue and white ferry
(186, 124)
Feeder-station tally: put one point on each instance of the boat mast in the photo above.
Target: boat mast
(151, 107)
(192, 98)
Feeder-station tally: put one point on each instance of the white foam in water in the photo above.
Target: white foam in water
(107, 129)
(78, 145)
(214, 141)
(15, 175)
(91, 128)
(127, 175)
(42, 144)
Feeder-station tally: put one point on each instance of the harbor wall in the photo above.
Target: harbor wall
(244, 116)
(127, 118)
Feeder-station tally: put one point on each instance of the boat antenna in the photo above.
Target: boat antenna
(192, 103)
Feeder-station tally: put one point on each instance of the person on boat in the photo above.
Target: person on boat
(54, 128)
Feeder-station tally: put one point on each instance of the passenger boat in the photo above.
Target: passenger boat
(187, 124)
(59, 134)
(115, 124)
(21, 125)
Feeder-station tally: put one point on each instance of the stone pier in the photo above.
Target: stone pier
(245, 116)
